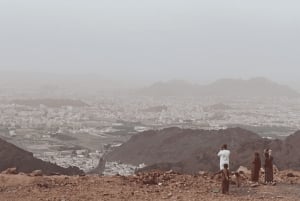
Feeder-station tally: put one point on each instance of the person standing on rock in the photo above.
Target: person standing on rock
(268, 167)
(225, 178)
(256, 165)
(224, 154)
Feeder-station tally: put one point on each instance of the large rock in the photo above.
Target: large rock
(23, 161)
(36, 173)
(243, 170)
(10, 171)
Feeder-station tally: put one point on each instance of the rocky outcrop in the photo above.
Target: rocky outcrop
(23, 161)
(188, 151)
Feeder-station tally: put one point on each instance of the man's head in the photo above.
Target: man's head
(224, 146)
(225, 166)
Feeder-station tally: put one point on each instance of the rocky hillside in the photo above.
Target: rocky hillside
(12, 156)
(189, 151)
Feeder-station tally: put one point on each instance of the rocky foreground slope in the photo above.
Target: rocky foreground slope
(144, 186)
(188, 151)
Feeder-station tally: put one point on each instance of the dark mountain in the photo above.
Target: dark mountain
(189, 151)
(290, 152)
(12, 156)
(171, 88)
(50, 102)
(256, 87)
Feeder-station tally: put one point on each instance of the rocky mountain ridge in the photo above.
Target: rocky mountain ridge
(255, 87)
(13, 156)
(188, 151)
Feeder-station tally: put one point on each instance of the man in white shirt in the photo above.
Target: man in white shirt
(224, 154)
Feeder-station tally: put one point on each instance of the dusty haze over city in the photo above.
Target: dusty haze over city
(142, 42)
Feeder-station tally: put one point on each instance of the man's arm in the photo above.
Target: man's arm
(216, 174)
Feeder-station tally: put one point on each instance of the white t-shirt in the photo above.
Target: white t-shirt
(224, 158)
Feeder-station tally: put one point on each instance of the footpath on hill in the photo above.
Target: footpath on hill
(144, 186)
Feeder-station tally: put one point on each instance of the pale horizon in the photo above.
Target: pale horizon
(86, 80)
(197, 41)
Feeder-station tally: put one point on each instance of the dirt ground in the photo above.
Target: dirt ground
(147, 186)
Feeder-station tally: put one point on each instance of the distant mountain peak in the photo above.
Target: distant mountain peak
(254, 87)
(260, 79)
(174, 82)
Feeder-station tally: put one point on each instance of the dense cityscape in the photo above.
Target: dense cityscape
(79, 135)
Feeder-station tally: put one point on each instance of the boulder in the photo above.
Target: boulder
(203, 173)
(36, 173)
(10, 171)
(243, 170)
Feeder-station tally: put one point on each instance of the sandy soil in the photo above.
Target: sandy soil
(147, 186)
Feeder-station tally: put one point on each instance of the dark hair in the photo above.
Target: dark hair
(267, 155)
(224, 146)
(225, 165)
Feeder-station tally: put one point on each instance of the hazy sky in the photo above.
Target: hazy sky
(153, 39)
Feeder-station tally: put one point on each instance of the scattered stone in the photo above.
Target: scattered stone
(54, 173)
(36, 173)
(290, 175)
(203, 173)
(82, 174)
(254, 185)
(10, 171)
(243, 170)
(170, 172)
(43, 185)
(215, 190)
(275, 169)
